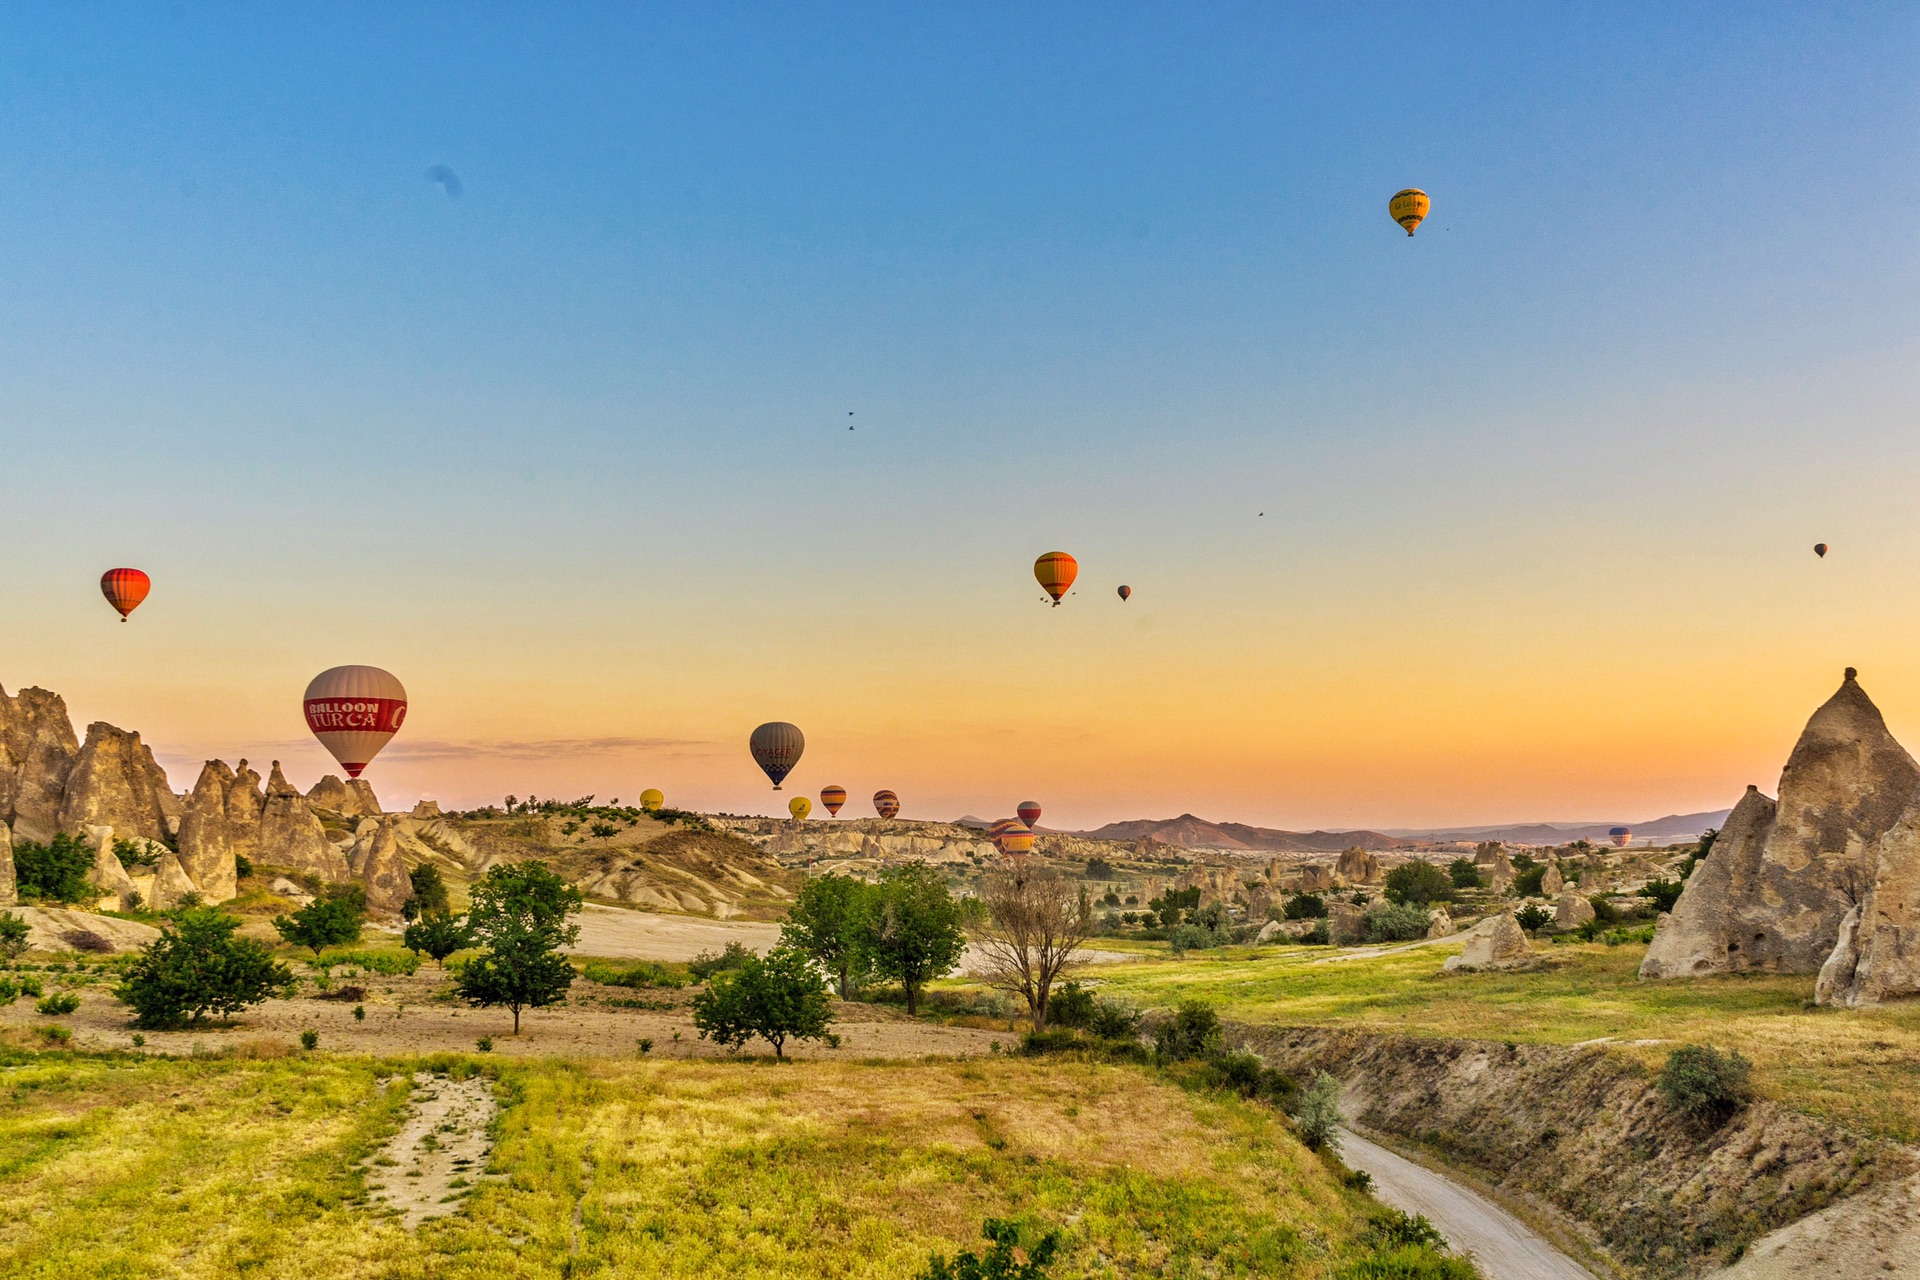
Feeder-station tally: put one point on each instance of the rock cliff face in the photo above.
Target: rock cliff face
(290, 836)
(384, 872)
(1784, 876)
(108, 876)
(1357, 866)
(354, 799)
(222, 822)
(115, 781)
(37, 746)
(7, 892)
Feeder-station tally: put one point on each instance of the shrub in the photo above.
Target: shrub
(8, 992)
(327, 921)
(1663, 893)
(242, 866)
(484, 1044)
(85, 940)
(1526, 884)
(638, 975)
(1070, 1005)
(1305, 906)
(1193, 1032)
(427, 893)
(196, 967)
(999, 1262)
(1321, 935)
(1035, 1044)
(30, 987)
(1465, 875)
(437, 934)
(1533, 917)
(135, 853)
(1417, 883)
(55, 871)
(55, 1034)
(1397, 922)
(388, 964)
(309, 1039)
(1318, 1114)
(359, 1013)
(1704, 1084)
(59, 1004)
(14, 932)
(778, 998)
(1191, 937)
(1388, 1228)
(706, 964)
(645, 1044)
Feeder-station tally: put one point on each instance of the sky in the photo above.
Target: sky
(1511, 520)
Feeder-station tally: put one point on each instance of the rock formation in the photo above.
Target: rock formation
(1876, 956)
(114, 781)
(1357, 866)
(1439, 923)
(351, 799)
(384, 872)
(1782, 876)
(170, 883)
(425, 809)
(1346, 922)
(1570, 910)
(1552, 882)
(222, 822)
(37, 746)
(8, 893)
(288, 835)
(1497, 942)
(108, 876)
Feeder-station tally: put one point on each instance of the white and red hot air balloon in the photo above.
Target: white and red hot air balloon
(355, 711)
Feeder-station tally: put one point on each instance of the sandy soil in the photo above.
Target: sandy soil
(440, 1151)
(416, 1015)
(1871, 1236)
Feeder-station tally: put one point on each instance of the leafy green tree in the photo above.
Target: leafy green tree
(1464, 874)
(519, 911)
(429, 893)
(1663, 893)
(1194, 1031)
(999, 1262)
(1318, 1114)
(777, 998)
(1533, 917)
(437, 934)
(331, 920)
(1704, 1084)
(55, 871)
(1417, 883)
(1306, 906)
(196, 967)
(1527, 883)
(824, 922)
(13, 936)
(911, 930)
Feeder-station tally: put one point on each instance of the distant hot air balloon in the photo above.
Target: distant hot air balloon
(125, 589)
(998, 830)
(1620, 836)
(1016, 841)
(1409, 207)
(651, 800)
(776, 747)
(1056, 571)
(355, 711)
(1125, 592)
(799, 807)
(1819, 549)
(1029, 811)
(833, 798)
(886, 804)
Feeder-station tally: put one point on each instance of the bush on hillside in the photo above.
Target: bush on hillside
(1533, 917)
(999, 1262)
(1318, 1114)
(1662, 893)
(1397, 922)
(1417, 883)
(1073, 1005)
(428, 893)
(1197, 937)
(1306, 906)
(1465, 875)
(330, 920)
(197, 967)
(707, 963)
(1526, 884)
(1704, 1084)
(13, 936)
(638, 974)
(55, 871)
(1321, 935)
(1194, 1031)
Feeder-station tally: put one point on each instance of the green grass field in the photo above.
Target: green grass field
(1860, 1068)
(123, 1166)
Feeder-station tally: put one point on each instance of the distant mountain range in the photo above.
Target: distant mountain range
(1191, 832)
(1668, 830)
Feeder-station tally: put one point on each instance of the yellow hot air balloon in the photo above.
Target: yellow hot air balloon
(799, 807)
(1056, 571)
(651, 799)
(1409, 207)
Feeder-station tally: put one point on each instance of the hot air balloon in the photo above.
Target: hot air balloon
(799, 807)
(833, 798)
(1016, 841)
(355, 711)
(1620, 836)
(651, 799)
(885, 803)
(1125, 592)
(1409, 207)
(1029, 811)
(1056, 571)
(998, 830)
(776, 747)
(125, 589)
(1819, 549)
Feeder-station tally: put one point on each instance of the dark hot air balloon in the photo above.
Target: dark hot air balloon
(1056, 571)
(1125, 592)
(776, 747)
(1029, 811)
(1409, 207)
(355, 711)
(833, 798)
(1819, 549)
(125, 589)
(886, 804)
(1620, 836)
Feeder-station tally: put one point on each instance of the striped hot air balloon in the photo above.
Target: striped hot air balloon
(1620, 836)
(799, 807)
(833, 798)
(886, 804)
(355, 711)
(651, 800)
(1056, 571)
(1016, 841)
(1029, 812)
(125, 589)
(999, 829)
(776, 747)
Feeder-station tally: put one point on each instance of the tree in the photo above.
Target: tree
(824, 922)
(14, 933)
(519, 911)
(1000, 1262)
(911, 931)
(55, 871)
(776, 998)
(196, 967)
(1417, 883)
(429, 893)
(1464, 874)
(333, 919)
(437, 934)
(1036, 920)
(1663, 893)
(1318, 1114)
(1306, 906)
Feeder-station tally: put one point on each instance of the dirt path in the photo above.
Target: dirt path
(1504, 1247)
(426, 1169)
(1872, 1236)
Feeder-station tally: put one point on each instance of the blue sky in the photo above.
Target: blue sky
(569, 450)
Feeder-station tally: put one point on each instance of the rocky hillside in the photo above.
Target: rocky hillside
(1190, 832)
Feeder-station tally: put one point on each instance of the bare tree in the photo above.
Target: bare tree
(1036, 920)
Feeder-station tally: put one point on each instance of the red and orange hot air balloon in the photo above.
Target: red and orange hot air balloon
(1125, 592)
(1029, 811)
(886, 804)
(1056, 571)
(833, 798)
(125, 589)
(355, 711)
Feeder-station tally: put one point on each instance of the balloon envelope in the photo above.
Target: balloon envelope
(1620, 836)
(125, 589)
(651, 799)
(885, 803)
(833, 798)
(355, 711)
(1056, 571)
(1820, 549)
(1125, 592)
(776, 747)
(1016, 841)
(1029, 811)
(799, 807)
(1408, 207)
